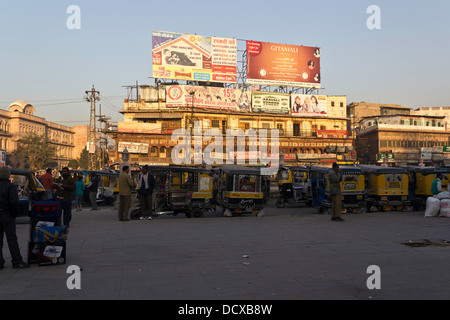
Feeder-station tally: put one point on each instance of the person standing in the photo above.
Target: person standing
(125, 187)
(146, 183)
(436, 185)
(65, 188)
(335, 178)
(93, 188)
(79, 192)
(47, 182)
(9, 208)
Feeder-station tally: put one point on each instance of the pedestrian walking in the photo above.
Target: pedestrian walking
(125, 187)
(335, 178)
(9, 208)
(93, 188)
(146, 183)
(47, 182)
(65, 188)
(79, 192)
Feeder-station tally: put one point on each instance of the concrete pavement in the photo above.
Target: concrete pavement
(289, 254)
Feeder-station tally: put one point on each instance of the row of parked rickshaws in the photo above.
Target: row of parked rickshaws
(364, 188)
(240, 189)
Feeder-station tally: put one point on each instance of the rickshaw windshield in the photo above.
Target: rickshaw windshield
(394, 181)
(247, 183)
(283, 174)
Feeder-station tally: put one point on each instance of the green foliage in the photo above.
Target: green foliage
(36, 151)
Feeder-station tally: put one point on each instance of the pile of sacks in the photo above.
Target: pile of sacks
(438, 205)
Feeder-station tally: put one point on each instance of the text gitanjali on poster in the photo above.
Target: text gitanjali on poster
(284, 65)
(182, 56)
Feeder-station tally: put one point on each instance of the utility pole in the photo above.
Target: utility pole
(92, 96)
(103, 138)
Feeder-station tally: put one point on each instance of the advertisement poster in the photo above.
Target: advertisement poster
(303, 104)
(133, 147)
(269, 102)
(180, 96)
(2, 157)
(341, 134)
(181, 56)
(283, 65)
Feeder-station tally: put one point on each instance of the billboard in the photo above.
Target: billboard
(2, 157)
(342, 134)
(133, 147)
(269, 102)
(182, 56)
(283, 65)
(304, 104)
(179, 96)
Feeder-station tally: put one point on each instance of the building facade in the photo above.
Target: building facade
(19, 120)
(402, 140)
(150, 121)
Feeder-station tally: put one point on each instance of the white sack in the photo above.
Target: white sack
(433, 207)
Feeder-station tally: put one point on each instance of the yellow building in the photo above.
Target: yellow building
(304, 136)
(19, 120)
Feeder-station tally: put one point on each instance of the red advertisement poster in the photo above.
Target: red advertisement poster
(281, 64)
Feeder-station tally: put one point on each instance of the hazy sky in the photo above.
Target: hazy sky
(406, 62)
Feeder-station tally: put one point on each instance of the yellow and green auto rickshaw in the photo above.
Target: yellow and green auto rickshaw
(29, 189)
(420, 180)
(241, 190)
(180, 190)
(386, 188)
(294, 185)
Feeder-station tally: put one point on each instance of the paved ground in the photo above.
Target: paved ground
(289, 254)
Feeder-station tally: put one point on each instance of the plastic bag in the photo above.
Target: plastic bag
(445, 208)
(443, 195)
(433, 207)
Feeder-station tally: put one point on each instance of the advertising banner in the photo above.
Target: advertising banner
(182, 56)
(2, 157)
(342, 134)
(303, 104)
(179, 96)
(283, 65)
(133, 147)
(269, 102)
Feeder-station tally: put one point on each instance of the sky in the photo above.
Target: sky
(42, 61)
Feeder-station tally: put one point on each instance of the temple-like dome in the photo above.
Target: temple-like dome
(22, 106)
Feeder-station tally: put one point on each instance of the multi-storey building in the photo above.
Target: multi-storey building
(306, 136)
(20, 120)
(402, 140)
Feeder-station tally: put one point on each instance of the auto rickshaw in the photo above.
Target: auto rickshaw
(294, 185)
(420, 180)
(240, 190)
(386, 188)
(29, 189)
(318, 182)
(181, 189)
(108, 185)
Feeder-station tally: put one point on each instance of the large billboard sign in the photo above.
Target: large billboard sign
(283, 65)
(304, 104)
(269, 102)
(180, 96)
(182, 56)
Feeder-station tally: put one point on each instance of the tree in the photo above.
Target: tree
(35, 151)
(83, 161)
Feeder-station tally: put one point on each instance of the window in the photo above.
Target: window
(296, 129)
(215, 124)
(332, 103)
(342, 104)
(266, 125)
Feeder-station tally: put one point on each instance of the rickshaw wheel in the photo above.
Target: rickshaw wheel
(196, 213)
(400, 208)
(280, 203)
(386, 208)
